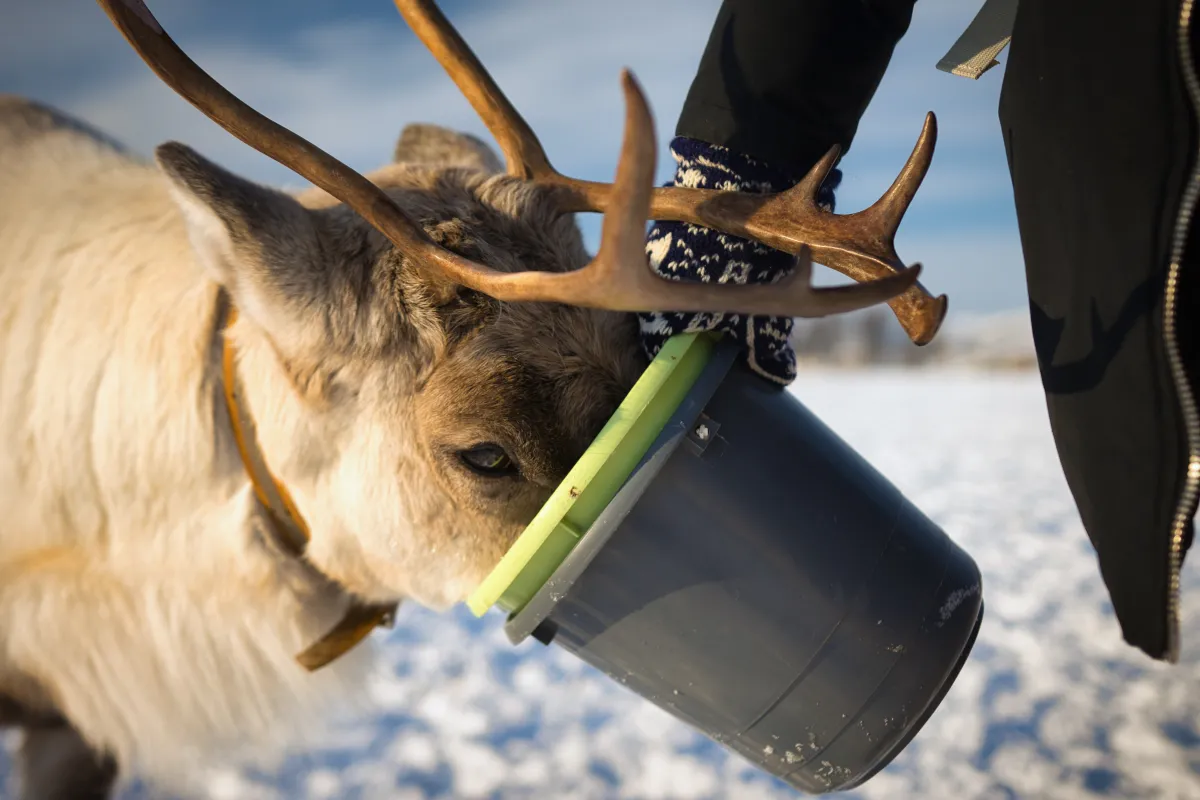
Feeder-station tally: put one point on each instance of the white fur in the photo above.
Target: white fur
(134, 586)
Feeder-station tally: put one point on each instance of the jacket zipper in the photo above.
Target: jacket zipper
(1187, 401)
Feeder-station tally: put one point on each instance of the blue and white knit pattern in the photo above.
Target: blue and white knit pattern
(681, 251)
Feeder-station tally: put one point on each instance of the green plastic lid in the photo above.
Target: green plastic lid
(596, 477)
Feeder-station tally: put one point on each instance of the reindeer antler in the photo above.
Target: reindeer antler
(860, 246)
(618, 278)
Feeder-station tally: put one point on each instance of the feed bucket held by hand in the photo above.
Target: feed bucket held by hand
(724, 554)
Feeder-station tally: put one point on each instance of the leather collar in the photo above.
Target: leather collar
(285, 522)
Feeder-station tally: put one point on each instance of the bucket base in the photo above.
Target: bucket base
(932, 707)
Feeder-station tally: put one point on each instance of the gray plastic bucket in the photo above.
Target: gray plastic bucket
(759, 580)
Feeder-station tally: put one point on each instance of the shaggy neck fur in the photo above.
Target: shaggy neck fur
(136, 587)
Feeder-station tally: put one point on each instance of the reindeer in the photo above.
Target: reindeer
(238, 426)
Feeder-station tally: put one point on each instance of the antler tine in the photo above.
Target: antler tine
(623, 231)
(524, 155)
(805, 192)
(889, 209)
(871, 235)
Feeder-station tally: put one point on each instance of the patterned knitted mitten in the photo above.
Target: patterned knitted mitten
(687, 252)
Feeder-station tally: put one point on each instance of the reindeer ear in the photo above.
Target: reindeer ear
(260, 244)
(435, 145)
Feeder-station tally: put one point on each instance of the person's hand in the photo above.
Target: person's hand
(686, 252)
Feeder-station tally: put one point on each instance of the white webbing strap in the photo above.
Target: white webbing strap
(975, 51)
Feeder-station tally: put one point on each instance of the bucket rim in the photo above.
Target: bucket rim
(596, 477)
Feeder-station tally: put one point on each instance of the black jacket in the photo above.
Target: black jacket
(1101, 137)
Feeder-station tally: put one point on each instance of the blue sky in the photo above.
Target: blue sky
(350, 75)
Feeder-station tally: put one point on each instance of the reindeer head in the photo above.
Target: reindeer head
(428, 422)
(450, 348)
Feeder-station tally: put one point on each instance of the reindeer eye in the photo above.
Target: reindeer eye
(488, 460)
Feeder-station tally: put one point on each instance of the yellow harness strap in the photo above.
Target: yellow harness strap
(287, 524)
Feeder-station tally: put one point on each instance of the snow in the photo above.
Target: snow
(1052, 703)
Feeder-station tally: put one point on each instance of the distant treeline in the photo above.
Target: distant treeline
(874, 337)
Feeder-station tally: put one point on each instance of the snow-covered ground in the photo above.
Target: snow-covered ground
(1052, 703)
